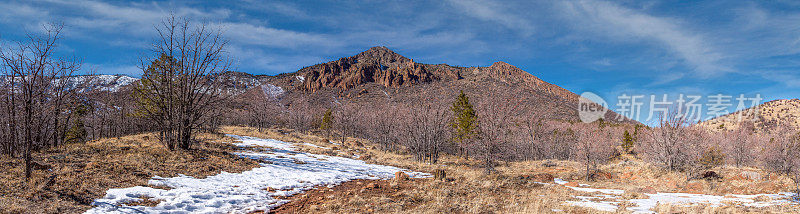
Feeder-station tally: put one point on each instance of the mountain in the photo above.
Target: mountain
(234, 82)
(381, 74)
(767, 116)
(103, 82)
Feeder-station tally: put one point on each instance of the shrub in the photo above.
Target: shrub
(711, 158)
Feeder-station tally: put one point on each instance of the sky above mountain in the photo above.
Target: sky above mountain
(606, 47)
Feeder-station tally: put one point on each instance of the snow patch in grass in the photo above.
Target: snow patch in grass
(609, 199)
(288, 172)
(645, 205)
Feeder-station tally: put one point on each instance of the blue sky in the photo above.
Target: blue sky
(606, 47)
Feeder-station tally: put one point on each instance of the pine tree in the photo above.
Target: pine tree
(157, 99)
(77, 130)
(327, 120)
(464, 122)
(627, 142)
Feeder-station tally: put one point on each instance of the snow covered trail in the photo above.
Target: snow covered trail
(285, 172)
(608, 199)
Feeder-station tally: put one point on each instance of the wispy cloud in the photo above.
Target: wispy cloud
(605, 20)
(495, 12)
(787, 78)
(271, 37)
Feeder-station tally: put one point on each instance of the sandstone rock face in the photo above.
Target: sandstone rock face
(378, 64)
(380, 72)
(510, 73)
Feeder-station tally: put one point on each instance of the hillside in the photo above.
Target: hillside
(380, 74)
(768, 115)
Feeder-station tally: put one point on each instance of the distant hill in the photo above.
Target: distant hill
(379, 74)
(103, 82)
(767, 116)
(235, 82)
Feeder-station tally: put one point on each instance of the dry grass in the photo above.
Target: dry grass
(80, 173)
(472, 191)
(785, 111)
(85, 171)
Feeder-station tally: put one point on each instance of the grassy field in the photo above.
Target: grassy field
(73, 175)
(511, 190)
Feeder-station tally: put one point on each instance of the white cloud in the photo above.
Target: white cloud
(260, 60)
(494, 12)
(620, 24)
(787, 78)
(271, 37)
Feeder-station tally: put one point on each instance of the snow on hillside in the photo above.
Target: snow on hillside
(272, 91)
(103, 82)
(284, 170)
(111, 82)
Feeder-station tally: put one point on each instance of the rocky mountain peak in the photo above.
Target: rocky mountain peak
(377, 64)
(381, 54)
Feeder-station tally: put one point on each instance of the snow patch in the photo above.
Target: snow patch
(285, 170)
(609, 199)
(272, 91)
(645, 205)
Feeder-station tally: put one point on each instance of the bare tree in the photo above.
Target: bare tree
(530, 137)
(181, 82)
(497, 114)
(672, 143)
(782, 153)
(424, 131)
(379, 124)
(37, 91)
(594, 147)
(740, 144)
(266, 106)
(345, 119)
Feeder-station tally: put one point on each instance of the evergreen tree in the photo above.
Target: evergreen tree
(627, 142)
(327, 120)
(464, 122)
(77, 130)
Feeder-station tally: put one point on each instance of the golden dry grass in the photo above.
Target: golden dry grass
(82, 172)
(786, 111)
(472, 191)
(85, 171)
